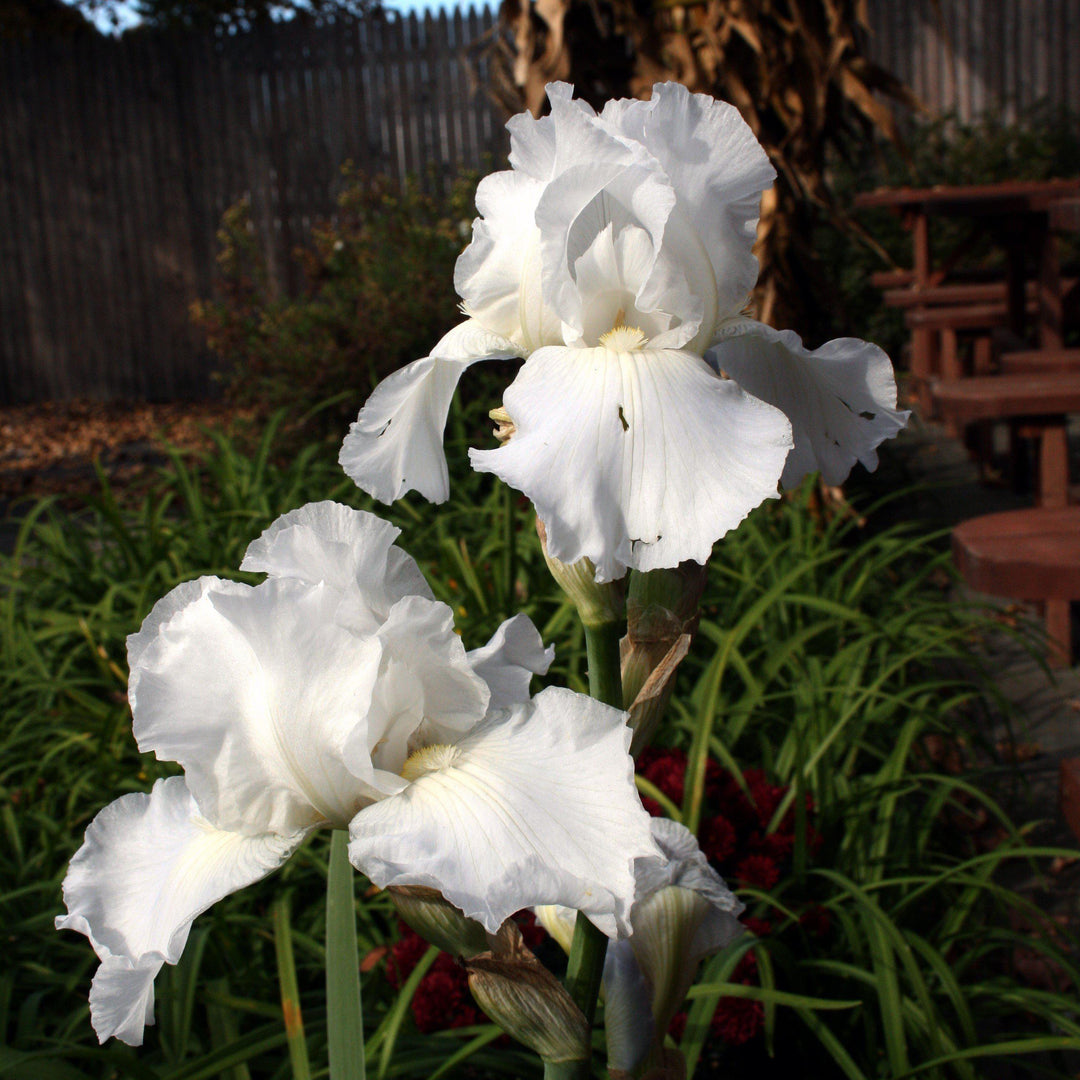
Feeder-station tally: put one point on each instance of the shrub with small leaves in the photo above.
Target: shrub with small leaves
(371, 297)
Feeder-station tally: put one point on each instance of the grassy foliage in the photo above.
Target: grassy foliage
(837, 658)
(827, 656)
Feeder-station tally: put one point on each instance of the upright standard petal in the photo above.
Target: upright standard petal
(840, 399)
(641, 459)
(255, 691)
(350, 550)
(148, 866)
(426, 687)
(498, 276)
(510, 659)
(718, 171)
(395, 444)
(535, 806)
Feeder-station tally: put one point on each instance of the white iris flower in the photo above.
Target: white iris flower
(682, 912)
(612, 256)
(336, 693)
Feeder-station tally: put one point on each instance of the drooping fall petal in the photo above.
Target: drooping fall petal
(840, 398)
(537, 802)
(148, 866)
(395, 444)
(636, 458)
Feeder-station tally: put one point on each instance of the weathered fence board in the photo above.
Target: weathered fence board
(118, 158)
(973, 57)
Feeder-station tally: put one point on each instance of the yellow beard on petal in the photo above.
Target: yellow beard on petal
(622, 339)
(429, 759)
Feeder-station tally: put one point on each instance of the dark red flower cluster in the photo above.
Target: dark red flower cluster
(733, 828)
(442, 1000)
(737, 1020)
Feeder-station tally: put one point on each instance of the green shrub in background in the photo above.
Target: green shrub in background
(372, 296)
(1044, 143)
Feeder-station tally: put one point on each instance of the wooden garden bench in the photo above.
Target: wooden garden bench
(1031, 555)
(1035, 404)
(1032, 361)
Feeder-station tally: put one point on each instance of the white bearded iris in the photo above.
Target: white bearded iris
(612, 256)
(682, 912)
(336, 693)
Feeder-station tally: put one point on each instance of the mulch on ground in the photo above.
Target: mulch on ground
(50, 448)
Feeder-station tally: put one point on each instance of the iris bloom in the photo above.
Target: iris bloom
(615, 257)
(336, 693)
(682, 912)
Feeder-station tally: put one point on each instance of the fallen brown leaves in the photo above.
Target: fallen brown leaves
(50, 448)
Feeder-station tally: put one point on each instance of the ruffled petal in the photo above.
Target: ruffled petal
(498, 276)
(255, 691)
(510, 659)
(610, 278)
(602, 180)
(840, 399)
(535, 806)
(395, 444)
(122, 997)
(175, 600)
(636, 459)
(426, 688)
(350, 550)
(685, 866)
(150, 864)
(718, 171)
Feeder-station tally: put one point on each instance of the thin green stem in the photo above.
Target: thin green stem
(567, 1070)
(602, 653)
(589, 946)
(586, 965)
(290, 991)
(344, 1017)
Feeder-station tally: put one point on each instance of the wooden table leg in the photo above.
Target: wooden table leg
(1051, 335)
(922, 341)
(1059, 633)
(1053, 466)
(1069, 790)
(1016, 244)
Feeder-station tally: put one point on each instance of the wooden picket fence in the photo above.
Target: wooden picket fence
(969, 58)
(118, 158)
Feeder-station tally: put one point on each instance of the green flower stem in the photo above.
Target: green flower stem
(344, 1018)
(510, 547)
(589, 945)
(586, 966)
(567, 1070)
(605, 671)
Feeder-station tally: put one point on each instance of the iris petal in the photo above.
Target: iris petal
(254, 691)
(536, 806)
(636, 459)
(395, 444)
(148, 866)
(352, 551)
(840, 398)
